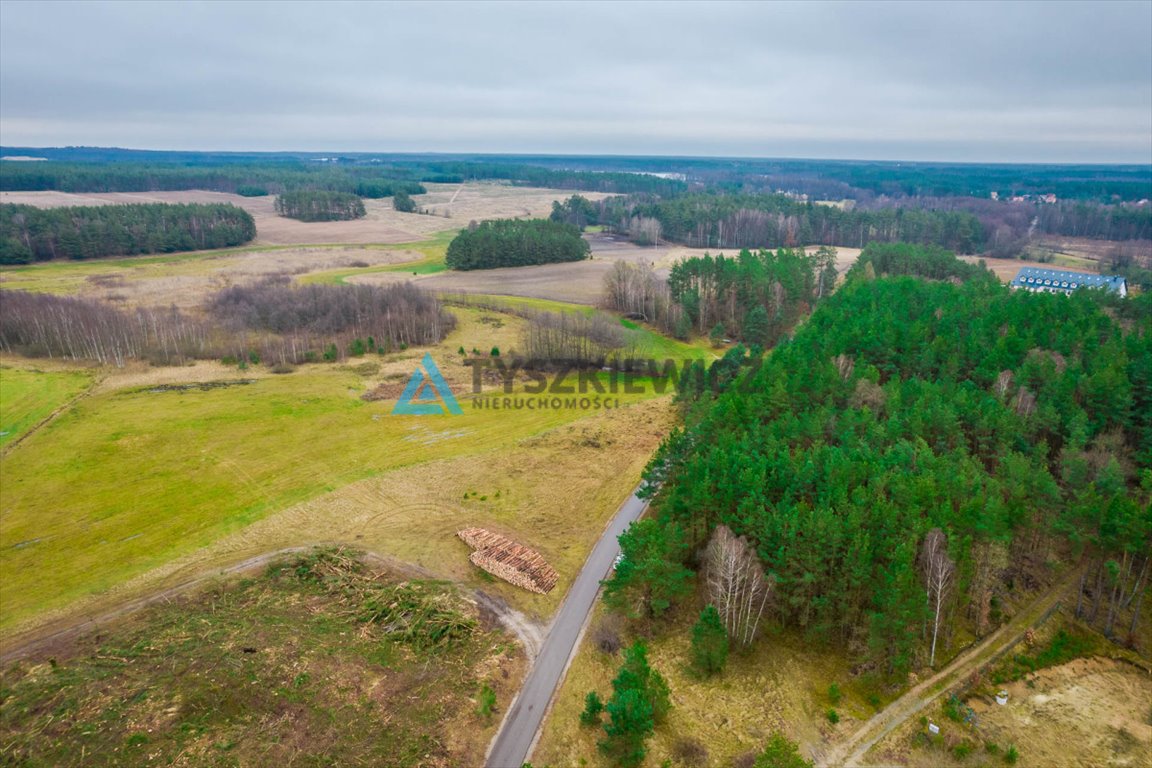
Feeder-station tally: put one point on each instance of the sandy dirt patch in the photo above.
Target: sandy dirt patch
(1086, 712)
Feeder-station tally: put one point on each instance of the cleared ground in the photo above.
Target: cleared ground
(140, 485)
(1088, 712)
(281, 669)
(382, 224)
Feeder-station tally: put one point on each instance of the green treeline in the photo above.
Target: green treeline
(755, 296)
(1107, 222)
(1015, 427)
(515, 243)
(920, 261)
(776, 221)
(318, 205)
(249, 180)
(87, 232)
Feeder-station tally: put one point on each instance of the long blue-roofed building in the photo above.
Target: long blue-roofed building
(1061, 281)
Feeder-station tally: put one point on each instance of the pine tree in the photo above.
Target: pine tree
(709, 642)
(593, 706)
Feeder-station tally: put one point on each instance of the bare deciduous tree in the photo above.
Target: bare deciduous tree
(938, 572)
(736, 584)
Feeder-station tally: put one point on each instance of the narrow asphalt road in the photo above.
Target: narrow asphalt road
(517, 733)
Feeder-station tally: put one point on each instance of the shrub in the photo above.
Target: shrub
(593, 706)
(690, 752)
(781, 753)
(607, 636)
(834, 694)
(487, 701)
(833, 716)
(1011, 755)
(402, 202)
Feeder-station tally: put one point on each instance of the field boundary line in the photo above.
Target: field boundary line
(59, 410)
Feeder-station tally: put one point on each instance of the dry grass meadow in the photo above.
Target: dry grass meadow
(580, 282)
(136, 486)
(452, 206)
(780, 685)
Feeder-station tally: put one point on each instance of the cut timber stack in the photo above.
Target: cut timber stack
(504, 558)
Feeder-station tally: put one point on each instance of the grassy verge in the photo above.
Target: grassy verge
(780, 684)
(295, 667)
(28, 396)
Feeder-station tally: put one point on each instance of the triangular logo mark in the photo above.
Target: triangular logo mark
(427, 394)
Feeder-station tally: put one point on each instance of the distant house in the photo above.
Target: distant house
(1060, 281)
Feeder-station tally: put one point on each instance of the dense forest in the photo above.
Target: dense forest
(861, 180)
(755, 296)
(915, 449)
(244, 179)
(315, 205)
(31, 234)
(272, 321)
(515, 243)
(777, 221)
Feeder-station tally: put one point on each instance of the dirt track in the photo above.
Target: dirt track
(852, 750)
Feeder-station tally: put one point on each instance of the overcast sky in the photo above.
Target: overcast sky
(1032, 82)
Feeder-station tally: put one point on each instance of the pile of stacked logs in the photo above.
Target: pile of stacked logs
(505, 559)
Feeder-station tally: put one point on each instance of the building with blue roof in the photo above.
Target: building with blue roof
(1061, 281)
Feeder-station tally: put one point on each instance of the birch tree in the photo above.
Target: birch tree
(736, 584)
(938, 572)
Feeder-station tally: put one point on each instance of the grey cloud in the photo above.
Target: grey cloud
(954, 81)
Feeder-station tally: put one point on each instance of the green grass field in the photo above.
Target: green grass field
(656, 345)
(129, 479)
(28, 396)
(434, 250)
(67, 277)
